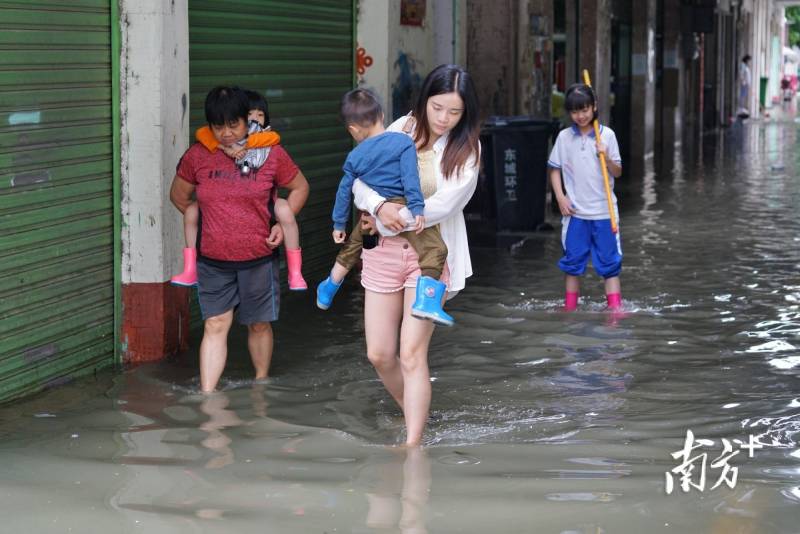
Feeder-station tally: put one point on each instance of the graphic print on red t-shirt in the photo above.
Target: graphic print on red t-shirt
(235, 220)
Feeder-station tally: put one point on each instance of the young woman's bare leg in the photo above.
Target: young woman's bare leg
(415, 337)
(382, 315)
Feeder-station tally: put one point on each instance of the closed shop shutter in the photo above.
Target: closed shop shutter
(56, 199)
(300, 56)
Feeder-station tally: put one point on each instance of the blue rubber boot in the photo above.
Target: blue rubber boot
(326, 290)
(428, 304)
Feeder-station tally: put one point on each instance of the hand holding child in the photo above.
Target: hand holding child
(275, 236)
(234, 151)
(368, 224)
(389, 214)
(419, 223)
(338, 236)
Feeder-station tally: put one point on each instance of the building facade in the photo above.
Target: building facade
(99, 99)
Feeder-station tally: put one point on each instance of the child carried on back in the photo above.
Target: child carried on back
(250, 154)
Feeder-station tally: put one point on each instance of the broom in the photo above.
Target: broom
(606, 182)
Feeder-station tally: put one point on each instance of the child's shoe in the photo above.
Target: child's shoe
(428, 303)
(326, 290)
(188, 278)
(294, 262)
(571, 301)
(615, 310)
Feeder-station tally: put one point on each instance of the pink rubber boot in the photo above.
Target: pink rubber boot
(570, 301)
(188, 277)
(614, 301)
(294, 263)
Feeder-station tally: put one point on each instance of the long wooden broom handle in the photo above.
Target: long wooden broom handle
(606, 181)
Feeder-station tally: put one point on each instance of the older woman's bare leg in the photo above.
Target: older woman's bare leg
(260, 342)
(214, 350)
(415, 337)
(382, 315)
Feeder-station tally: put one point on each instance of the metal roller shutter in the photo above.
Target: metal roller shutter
(300, 56)
(57, 298)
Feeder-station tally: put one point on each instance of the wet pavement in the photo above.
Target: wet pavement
(541, 421)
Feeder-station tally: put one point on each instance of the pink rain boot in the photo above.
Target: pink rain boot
(570, 301)
(614, 301)
(294, 261)
(188, 277)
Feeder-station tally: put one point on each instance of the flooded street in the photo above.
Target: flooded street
(541, 421)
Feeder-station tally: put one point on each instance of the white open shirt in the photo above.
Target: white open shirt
(445, 207)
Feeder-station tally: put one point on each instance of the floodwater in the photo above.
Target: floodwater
(541, 421)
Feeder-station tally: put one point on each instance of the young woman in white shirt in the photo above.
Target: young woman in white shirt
(445, 126)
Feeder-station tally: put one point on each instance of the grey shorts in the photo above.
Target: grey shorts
(254, 292)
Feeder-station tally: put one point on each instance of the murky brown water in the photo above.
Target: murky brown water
(541, 421)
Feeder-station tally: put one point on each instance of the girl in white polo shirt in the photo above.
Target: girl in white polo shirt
(586, 222)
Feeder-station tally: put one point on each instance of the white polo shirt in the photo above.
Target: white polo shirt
(576, 157)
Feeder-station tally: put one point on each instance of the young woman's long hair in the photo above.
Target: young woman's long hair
(462, 140)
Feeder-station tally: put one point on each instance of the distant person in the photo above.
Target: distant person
(744, 87)
(584, 206)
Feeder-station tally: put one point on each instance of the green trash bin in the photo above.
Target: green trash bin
(762, 96)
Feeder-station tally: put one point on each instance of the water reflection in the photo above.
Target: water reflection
(219, 418)
(552, 422)
(397, 491)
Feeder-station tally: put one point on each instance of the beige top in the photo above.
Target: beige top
(444, 207)
(427, 172)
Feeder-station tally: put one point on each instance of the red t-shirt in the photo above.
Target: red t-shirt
(233, 208)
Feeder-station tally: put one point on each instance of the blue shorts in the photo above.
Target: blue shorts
(581, 237)
(255, 292)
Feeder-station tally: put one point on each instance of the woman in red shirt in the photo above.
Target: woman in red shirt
(236, 237)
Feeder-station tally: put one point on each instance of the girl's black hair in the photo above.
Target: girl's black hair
(226, 104)
(579, 96)
(257, 101)
(361, 107)
(462, 141)
(746, 58)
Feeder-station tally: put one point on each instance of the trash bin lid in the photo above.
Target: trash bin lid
(499, 121)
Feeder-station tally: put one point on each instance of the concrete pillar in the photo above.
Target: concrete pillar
(595, 50)
(491, 48)
(450, 32)
(413, 53)
(373, 39)
(758, 15)
(535, 57)
(643, 70)
(672, 79)
(461, 31)
(155, 128)
(444, 32)
(572, 43)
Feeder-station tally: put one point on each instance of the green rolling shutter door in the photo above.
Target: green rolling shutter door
(56, 203)
(300, 56)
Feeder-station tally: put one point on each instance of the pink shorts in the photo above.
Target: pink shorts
(392, 265)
